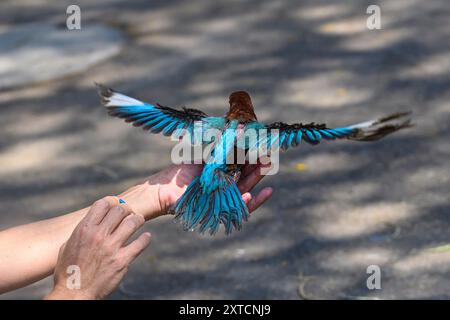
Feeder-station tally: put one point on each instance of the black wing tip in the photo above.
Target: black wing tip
(104, 92)
(394, 116)
(380, 132)
(296, 126)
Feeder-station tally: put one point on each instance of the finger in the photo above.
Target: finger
(248, 168)
(247, 197)
(251, 179)
(265, 161)
(127, 227)
(99, 209)
(135, 248)
(262, 197)
(114, 217)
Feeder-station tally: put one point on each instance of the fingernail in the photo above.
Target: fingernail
(121, 201)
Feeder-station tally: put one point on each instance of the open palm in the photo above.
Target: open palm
(175, 180)
(159, 192)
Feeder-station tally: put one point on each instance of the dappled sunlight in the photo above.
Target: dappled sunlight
(442, 106)
(33, 155)
(172, 42)
(383, 39)
(321, 11)
(323, 163)
(341, 90)
(37, 124)
(336, 207)
(423, 261)
(144, 23)
(363, 220)
(232, 253)
(202, 87)
(429, 177)
(401, 6)
(344, 27)
(220, 44)
(37, 52)
(437, 65)
(350, 191)
(31, 92)
(357, 258)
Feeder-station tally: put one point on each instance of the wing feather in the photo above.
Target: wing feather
(154, 118)
(291, 135)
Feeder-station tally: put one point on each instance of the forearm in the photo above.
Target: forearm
(29, 252)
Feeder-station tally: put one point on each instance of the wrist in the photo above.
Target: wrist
(144, 199)
(62, 293)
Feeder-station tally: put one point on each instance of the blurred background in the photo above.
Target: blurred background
(337, 207)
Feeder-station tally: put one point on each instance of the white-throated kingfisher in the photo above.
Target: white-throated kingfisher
(213, 197)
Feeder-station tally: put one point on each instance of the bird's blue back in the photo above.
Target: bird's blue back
(217, 160)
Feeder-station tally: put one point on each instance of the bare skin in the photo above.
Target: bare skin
(30, 252)
(98, 247)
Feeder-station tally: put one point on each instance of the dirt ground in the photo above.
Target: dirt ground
(337, 207)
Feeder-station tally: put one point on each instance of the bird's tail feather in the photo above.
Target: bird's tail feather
(205, 211)
(379, 128)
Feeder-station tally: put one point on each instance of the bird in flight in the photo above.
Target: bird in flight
(213, 197)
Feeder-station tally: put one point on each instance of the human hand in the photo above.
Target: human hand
(98, 248)
(159, 192)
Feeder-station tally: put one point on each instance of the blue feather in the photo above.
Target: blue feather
(310, 135)
(282, 137)
(161, 124)
(205, 206)
(326, 134)
(169, 128)
(299, 137)
(224, 201)
(318, 136)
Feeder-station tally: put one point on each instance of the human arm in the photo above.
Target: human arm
(29, 252)
(96, 257)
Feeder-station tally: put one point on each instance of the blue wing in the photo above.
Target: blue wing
(284, 136)
(155, 118)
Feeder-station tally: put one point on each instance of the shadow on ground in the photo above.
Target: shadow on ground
(356, 205)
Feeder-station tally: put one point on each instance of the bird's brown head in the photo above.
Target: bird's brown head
(241, 107)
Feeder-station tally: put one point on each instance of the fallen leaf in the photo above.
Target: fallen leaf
(300, 166)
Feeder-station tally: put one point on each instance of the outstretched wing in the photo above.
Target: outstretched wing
(154, 118)
(290, 135)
